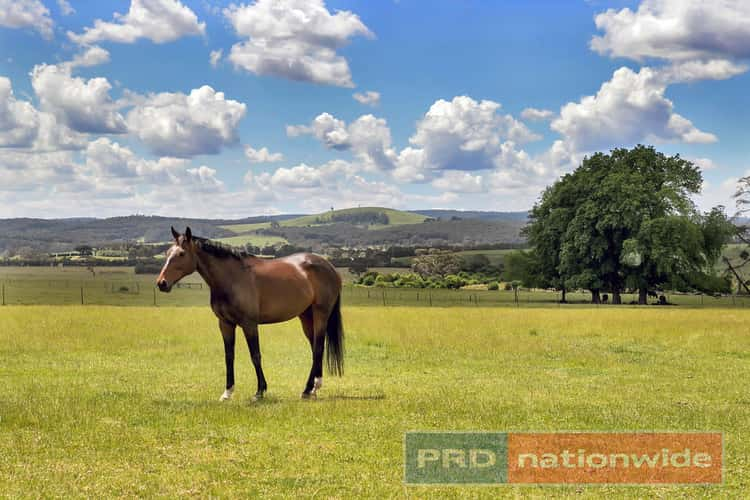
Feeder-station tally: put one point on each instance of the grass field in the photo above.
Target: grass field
(121, 287)
(258, 240)
(395, 218)
(107, 401)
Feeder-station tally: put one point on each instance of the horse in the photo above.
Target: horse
(248, 291)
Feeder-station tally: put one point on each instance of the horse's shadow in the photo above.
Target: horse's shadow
(356, 397)
(184, 404)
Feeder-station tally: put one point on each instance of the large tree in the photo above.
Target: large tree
(623, 219)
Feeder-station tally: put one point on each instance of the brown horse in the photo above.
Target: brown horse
(248, 291)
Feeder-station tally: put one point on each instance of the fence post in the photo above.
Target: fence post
(383, 296)
(81, 295)
(429, 294)
(154, 296)
(3, 293)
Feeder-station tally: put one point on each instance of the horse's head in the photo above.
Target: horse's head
(181, 261)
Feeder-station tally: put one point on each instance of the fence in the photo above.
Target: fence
(137, 291)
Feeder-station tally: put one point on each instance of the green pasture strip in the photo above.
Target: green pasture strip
(259, 240)
(120, 286)
(109, 402)
(246, 228)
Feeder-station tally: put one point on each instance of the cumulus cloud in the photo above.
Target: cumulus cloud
(19, 121)
(459, 182)
(462, 134)
(25, 171)
(537, 115)
(26, 14)
(368, 137)
(629, 108)
(676, 30)
(704, 163)
(294, 39)
(693, 71)
(160, 21)
(65, 8)
(262, 155)
(369, 98)
(91, 56)
(318, 187)
(179, 125)
(83, 105)
(214, 57)
(24, 126)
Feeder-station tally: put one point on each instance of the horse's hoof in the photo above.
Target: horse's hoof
(309, 395)
(258, 396)
(227, 395)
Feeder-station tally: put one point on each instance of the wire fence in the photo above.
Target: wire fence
(137, 291)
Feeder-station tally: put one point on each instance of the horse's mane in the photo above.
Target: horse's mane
(221, 250)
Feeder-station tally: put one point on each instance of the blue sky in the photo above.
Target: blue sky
(472, 104)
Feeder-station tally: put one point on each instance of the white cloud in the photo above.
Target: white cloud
(693, 71)
(629, 108)
(459, 182)
(462, 134)
(19, 120)
(160, 21)
(317, 188)
(676, 30)
(704, 163)
(214, 57)
(175, 124)
(25, 171)
(83, 105)
(294, 39)
(368, 137)
(26, 14)
(262, 155)
(537, 115)
(24, 126)
(91, 56)
(719, 193)
(65, 8)
(369, 98)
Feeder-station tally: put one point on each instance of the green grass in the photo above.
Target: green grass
(246, 228)
(395, 218)
(259, 240)
(120, 286)
(111, 402)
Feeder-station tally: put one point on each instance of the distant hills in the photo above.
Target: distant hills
(354, 227)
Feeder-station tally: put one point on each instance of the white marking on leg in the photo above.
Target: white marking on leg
(317, 384)
(227, 394)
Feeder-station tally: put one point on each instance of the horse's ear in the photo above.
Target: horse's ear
(188, 234)
(175, 233)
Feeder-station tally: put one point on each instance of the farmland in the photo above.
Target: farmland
(121, 287)
(111, 401)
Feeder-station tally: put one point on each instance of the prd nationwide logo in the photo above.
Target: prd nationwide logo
(563, 458)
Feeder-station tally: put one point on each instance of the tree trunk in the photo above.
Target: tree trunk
(596, 297)
(616, 299)
(563, 295)
(643, 296)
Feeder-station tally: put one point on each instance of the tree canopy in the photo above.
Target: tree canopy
(625, 220)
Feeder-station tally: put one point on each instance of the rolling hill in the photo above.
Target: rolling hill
(364, 226)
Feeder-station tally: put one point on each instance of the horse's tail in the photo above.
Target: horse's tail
(335, 340)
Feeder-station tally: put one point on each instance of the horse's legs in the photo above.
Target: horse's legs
(227, 333)
(251, 335)
(319, 324)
